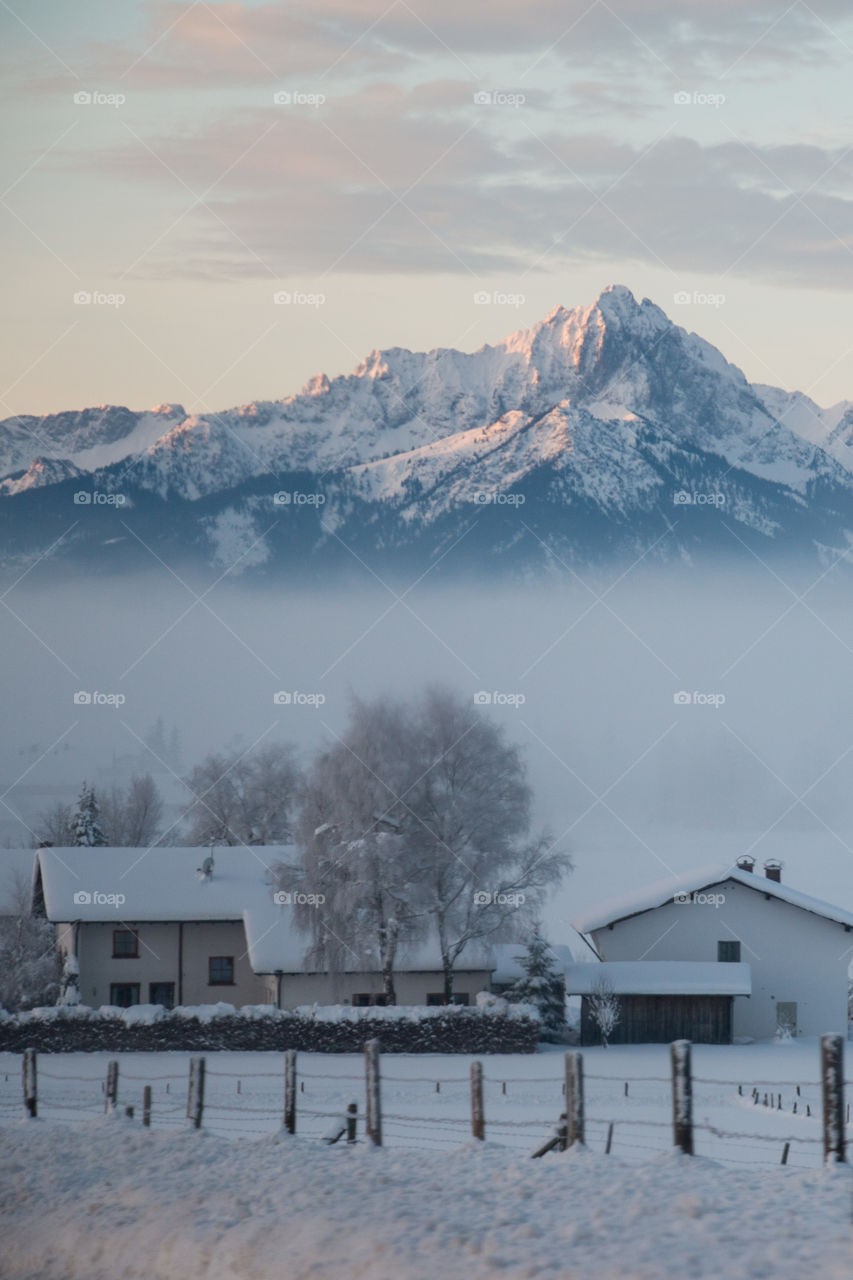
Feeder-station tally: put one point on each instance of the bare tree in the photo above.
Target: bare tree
(29, 962)
(357, 878)
(131, 817)
(483, 875)
(605, 1009)
(243, 798)
(56, 826)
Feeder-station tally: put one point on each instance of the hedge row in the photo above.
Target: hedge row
(475, 1033)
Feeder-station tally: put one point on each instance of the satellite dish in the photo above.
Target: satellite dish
(206, 868)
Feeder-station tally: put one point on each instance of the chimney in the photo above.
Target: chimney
(773, 870)
(746, 863)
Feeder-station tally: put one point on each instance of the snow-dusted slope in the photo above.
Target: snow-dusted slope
(598, 415)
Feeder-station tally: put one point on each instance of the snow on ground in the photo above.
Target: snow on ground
(84, 1197)
(113, 1201)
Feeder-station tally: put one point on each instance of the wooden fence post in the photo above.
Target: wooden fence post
(195, 1093)
(290, 1091)
(352, 1122)
(374, 1094)
(832, 1085)
(30, 1082)
(146, 1106)
(682, 1095)
(478, 1115)
(574, 1098)
(111, 1096)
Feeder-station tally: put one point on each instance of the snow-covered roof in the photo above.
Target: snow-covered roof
(509, 955)
(136, 885)
(660, 978)
(662, 891)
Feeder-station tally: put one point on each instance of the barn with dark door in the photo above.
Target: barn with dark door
(657, 1001)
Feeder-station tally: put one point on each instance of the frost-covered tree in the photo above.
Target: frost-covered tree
(355, 848)
(29, 964)
(243, 798)
(605, 1009)
(131, 816)
(483, 874)
(69, 984)
(542, 985)
(87, 826)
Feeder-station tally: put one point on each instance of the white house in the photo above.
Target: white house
(716, 954)
(158, 926)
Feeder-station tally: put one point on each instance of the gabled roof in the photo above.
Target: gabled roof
(165, 885)
(660, 978)
(696, 881)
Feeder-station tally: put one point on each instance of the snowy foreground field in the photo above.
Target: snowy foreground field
(84, 1197)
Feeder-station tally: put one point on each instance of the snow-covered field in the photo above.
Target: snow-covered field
(86, 1196)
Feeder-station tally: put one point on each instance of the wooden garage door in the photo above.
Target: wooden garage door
(660, 1019)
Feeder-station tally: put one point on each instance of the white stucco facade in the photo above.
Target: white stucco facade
(798, 957)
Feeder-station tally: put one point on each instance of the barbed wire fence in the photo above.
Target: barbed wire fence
(436, 1111)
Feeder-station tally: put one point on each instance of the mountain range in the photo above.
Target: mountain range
(607, 432)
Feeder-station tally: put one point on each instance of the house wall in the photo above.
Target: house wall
(158, 961)
(793, 954)
(331, 988)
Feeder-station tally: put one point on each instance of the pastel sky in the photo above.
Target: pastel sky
(420, 152)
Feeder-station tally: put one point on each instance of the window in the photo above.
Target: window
(458, 997)
(125, 944)
(124, 994)
(363, 999)
(162, 993)
(220, 971)
(729, 951)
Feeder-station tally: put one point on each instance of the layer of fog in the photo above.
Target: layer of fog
(634, 784)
